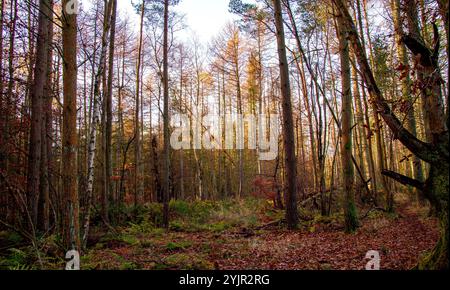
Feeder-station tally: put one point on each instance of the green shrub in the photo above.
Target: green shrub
(129, 239)
(129, 266)
(14, 238)
(188, 262)
(174, 246)
(145, 227)
(16, 260)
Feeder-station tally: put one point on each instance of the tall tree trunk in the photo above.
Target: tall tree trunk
(71, 227)
(366, 144)
(288, 123)
(381, 156)
(138, 186)
(95, 122)
(108, 109)
(351, 217)
(166, 116)
(406, 88)
(239, 122)
(445, 15)
(2, 104)
(182, 111)
(37, 96)
(121, 123)
(9, 92)
(46, 130)
(375, 178)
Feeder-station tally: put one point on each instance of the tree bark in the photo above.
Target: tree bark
(138, 186)
(166, 116)
(95, 122)
(436, 188)
(350, 213)
(108, 109)
(406, 89)
(288, 123)
(46, 131)
(2, 104)
(69, 136)
(37, 97)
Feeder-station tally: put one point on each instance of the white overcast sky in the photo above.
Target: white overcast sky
(205, 18)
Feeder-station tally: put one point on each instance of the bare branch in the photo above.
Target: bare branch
(405, 180)
(419, 148)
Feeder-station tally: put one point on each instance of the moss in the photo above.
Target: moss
(161, 266)
(188, 262)
(351, 218)
(176, 226)
(174, 246)
(14, 238)
(219, 227)
(348, 146)
(145, 227)
(441, 186)
(206, 248)
(437, 259)
(131, 240)
(99, 246)
(147, 244)
(438, 186)
(89, 262)
(326, 267)
(129, 266)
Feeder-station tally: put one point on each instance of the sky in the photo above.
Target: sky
(205, 18)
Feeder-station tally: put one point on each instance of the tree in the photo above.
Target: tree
(406, 86)
(350, 214)
(109, 113)
(71, 229)
(436, 186)
(37, 97)
(46, 133)
(288, 123)
(229, 50)
(138, 186)
(166, 115)
(95, 120)
(2, 144)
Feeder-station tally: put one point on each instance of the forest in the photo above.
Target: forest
(303, 135)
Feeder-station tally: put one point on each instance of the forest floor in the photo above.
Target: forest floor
(235, 240)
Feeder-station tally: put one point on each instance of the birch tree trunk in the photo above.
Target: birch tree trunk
(95, 122)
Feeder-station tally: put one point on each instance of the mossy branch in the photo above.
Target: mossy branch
(405, 180)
